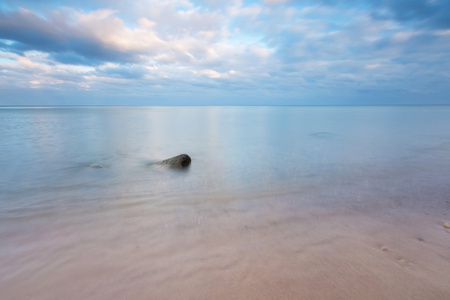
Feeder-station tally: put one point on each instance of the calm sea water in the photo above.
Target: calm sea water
(353, 156)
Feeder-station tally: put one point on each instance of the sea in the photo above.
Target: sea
(87, 212)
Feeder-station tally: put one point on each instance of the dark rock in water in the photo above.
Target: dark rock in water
(179, 161)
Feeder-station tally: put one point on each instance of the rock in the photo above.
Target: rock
(178, 162)
(446, 226)
(384, 248)
(403, 262)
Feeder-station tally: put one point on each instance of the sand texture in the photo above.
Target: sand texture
(268, 248)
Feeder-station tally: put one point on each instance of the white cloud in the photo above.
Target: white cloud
(211, 73)
(113, 34)
(374, 66)
(274, 2)
(214, 74)
(146, 23)
(405, 35)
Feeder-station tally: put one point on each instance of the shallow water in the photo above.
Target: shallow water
(79, 188)
(236, 151)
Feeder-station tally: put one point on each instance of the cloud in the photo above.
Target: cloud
(294, 50)
(74, 37)
(274, 2)
(128, 71)
(215, 75)
(166, 34)
(424, 13)
(428, 13)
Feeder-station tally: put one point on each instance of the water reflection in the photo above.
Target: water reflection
(235, 150)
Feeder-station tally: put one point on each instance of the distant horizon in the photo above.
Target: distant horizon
(227, 53)
(255, 105)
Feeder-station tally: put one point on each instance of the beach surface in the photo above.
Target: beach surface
(254, 249)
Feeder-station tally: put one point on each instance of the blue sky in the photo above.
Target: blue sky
(182, 52)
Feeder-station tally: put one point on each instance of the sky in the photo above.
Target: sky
(235, 52)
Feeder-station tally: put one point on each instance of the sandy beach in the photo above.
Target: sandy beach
(254, 249)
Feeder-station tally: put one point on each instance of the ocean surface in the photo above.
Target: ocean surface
(70, 175)
(48, 155)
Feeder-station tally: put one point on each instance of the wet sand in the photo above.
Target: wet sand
(265, 248)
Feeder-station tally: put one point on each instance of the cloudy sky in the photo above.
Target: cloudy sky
(214, 52)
